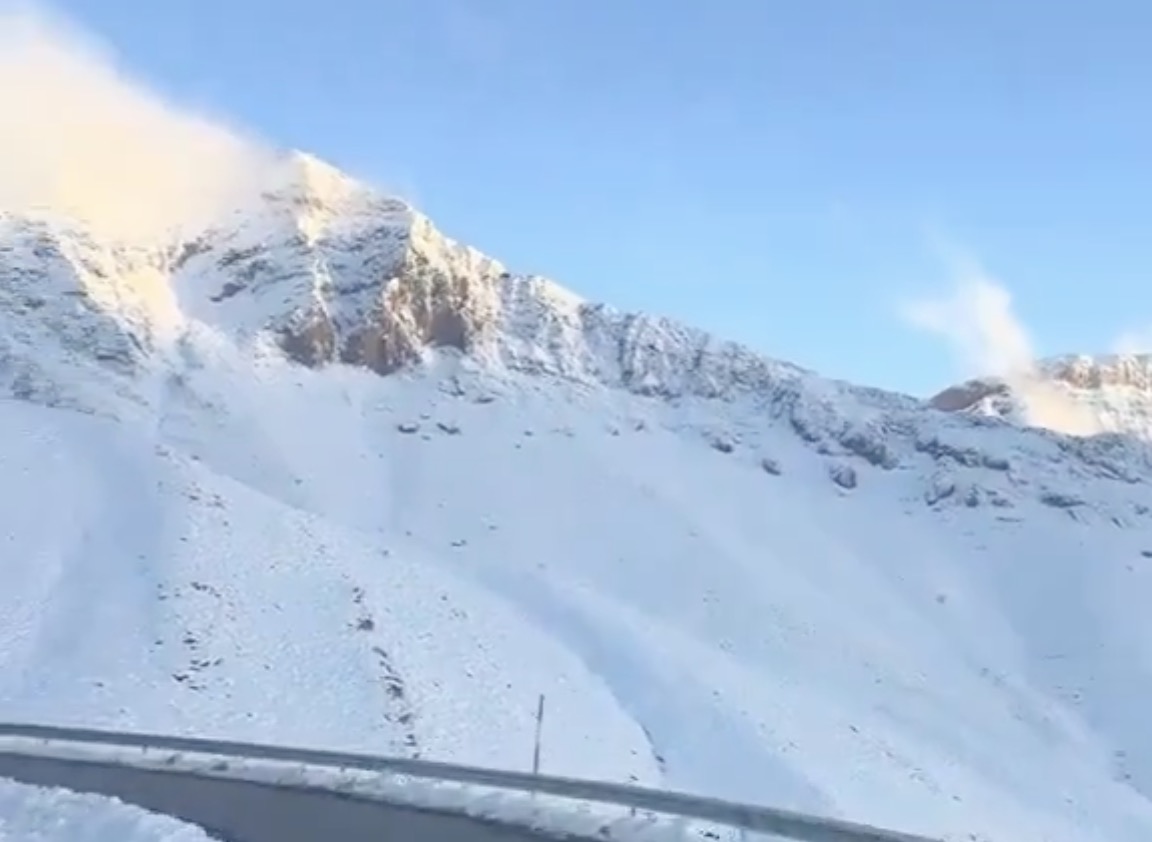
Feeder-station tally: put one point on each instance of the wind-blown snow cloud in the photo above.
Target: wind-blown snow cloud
(82, 138)
(977, 319)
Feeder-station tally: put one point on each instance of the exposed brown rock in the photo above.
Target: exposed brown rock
(420, 307)
(966, 395)
(312, 344)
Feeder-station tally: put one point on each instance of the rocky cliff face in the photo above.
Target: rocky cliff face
(1113, 371)
(1078, 395)
(333, 271)
(337, 273)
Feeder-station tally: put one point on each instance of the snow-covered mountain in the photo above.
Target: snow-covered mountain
(323, 476)
(1079, 395)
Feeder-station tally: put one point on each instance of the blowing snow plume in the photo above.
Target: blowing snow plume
(79, 138)
(978, 323)
(988, 340)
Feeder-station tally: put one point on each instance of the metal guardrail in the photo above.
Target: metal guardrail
(784, 823)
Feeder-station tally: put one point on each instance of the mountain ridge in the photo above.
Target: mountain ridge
(312, 234)
(335, 273)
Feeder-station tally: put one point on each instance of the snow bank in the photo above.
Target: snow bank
(36, 814)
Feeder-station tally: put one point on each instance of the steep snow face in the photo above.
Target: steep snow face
(75, 304)
(1078, 395)
(55, 265)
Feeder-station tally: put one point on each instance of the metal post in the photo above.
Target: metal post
(539, 723)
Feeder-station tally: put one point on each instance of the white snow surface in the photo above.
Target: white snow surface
(37, 814)
(724, 573)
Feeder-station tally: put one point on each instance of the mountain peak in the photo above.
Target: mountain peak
(304, 177)
(311, 195)
(1076, 394)
(314, 171)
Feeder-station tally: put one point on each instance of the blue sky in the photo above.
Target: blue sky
(778, 172)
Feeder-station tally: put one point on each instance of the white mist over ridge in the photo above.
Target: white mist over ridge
(83, 139)
(1005, 377)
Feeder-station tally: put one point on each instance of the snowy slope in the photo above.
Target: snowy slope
(222, 599)
(724, 573)
(33, 814)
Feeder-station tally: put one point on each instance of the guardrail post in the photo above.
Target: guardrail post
(539, 726)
